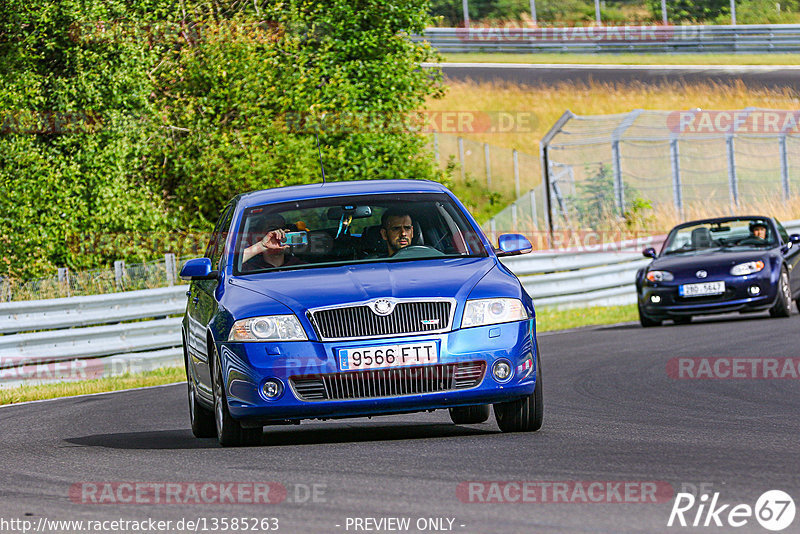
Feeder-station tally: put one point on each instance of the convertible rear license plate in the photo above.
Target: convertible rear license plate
(388, 356)
(699, 290)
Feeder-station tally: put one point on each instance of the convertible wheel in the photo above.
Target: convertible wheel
(469, 415)
(645, 320)
(783, 305)
(522, 415)
(229, 432)
(202, 420)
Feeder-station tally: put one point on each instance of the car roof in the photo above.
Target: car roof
(336, 189)
(714, 220)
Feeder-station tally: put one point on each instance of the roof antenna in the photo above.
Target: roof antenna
(321, 166)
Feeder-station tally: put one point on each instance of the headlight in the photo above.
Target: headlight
(269, 328)
(660, 276)
(492, 311)
(747, 268)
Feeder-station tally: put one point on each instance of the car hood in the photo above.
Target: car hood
(710, 261)
(301, 289)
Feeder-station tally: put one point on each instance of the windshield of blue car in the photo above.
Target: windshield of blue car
(733, 235)
(324, 232)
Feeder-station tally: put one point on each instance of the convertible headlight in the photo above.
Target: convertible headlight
(269, 328)
(493, 311)
(747, 268)
(659, 276)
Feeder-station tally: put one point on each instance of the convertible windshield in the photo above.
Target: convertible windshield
(744, 233)
(328, 231)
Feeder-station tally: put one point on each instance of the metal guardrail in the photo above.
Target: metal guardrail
(609, 39)
(72, 338)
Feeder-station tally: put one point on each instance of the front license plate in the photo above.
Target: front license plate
(699, 290)
(388, 356)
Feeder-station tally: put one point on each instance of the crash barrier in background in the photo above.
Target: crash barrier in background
(757, 38)
(78, 338)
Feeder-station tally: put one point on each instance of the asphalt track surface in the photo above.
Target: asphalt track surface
(612, 414)
(770, 76)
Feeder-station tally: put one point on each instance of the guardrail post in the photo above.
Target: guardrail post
(119, 274)
(487, 160)
(619, 193)
(732, 183)
(461, 157)
(436, 147)
(784, 167)
(169, 264)
(677, 193)
(63, 278)
(515, 161)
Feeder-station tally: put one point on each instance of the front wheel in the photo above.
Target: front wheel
(469, 415)
(645, 320)
(230, 432)
(783, 304)
(523, 415)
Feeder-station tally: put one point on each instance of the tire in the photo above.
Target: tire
(783, 304)
(682, 320)
(470, 415)
(645, 321)
(523, 415)
(202, 420)
(229, 432)
(797, 304)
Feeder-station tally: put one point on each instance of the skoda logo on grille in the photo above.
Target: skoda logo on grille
(701, 274)
(382, 307)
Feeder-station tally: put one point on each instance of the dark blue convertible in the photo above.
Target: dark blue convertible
(356, 299)
(721, 265)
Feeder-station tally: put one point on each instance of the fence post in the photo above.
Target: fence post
(5, 290)
(534, 217)
(533, 12)
(677, 193)
(619, 193)
(169, 264)
(119, 274)
(734, 186)
(436, 147)
(784, 167)
(493, 229)
(465, 8)
(63, 278)
(461, 157)
(515, 160)
(514, 215)
(488, 162)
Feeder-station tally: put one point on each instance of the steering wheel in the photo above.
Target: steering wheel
(751, 240)
(417, 251)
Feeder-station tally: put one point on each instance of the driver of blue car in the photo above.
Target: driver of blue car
(397, 230)
(758, 229)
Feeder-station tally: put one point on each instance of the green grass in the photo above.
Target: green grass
(549, 319)
(156, 377)
(629, 59)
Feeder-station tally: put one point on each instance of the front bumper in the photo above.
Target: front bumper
(736, 298)
(246, 366)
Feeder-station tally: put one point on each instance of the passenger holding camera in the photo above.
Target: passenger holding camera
(270, 251)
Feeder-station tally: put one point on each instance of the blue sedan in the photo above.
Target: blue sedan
(720, 265)
(356, 299)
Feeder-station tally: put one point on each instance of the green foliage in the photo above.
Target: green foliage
(137, 118)
(594, 204)
(679, 11)
(763, 12)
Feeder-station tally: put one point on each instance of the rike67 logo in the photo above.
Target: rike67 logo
(774, 510)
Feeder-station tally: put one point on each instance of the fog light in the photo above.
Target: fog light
(655, 299)
(754, 290)
(272, 389)
(501, 370)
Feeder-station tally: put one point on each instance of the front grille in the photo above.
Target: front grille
(360, 321)
(389, 382)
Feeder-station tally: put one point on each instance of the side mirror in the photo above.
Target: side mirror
(513, 244)
(794, 238)
(198, 269)
(649, 252)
